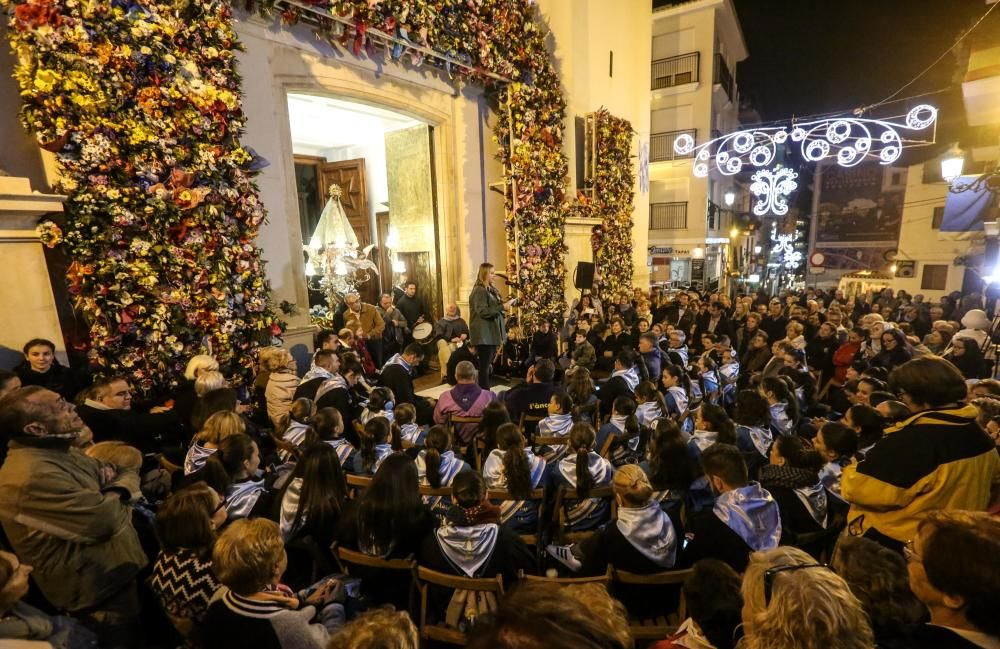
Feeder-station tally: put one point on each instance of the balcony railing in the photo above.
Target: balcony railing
(676, 70)
(723, 77)
(661, 145)
(668, 216)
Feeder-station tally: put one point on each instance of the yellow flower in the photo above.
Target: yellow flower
(46, 80)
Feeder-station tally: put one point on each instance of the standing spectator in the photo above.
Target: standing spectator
(451, 332)
(367, 325)
(954, 566)
(413, 308)
(938, 459)
(40, 367)
(487, 331)
(774, 323)
(395, 326)
(69, 515)
(746, 333)
(281, 385)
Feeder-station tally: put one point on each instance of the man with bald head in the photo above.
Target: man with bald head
(450, 332)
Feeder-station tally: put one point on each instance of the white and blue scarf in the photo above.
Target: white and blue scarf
(343, 448)
(702, 439)
(630, 376)
(196, 457)
(680, 398)
(780, 419)
(650, 531)
(336, 381)
(397, 359)
(450, 467)
(410, 433)
(647, 413)
(382, 451)
(751, 512)
(316, 372)
(761, 438)
(242, 496)
(367, 415)
(602, 472)
(681, 351)
(831, 474)
(555, 426)
(467, 548)
(296, 434)
(815, 501)
(495, 478)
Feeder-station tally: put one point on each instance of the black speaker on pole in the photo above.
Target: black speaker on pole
(584, 276)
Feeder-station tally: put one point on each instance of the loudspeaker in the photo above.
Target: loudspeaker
(906, 269)
(584, 276)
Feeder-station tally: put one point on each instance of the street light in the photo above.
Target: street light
(729, 197)
(952, 163)
(735, 232)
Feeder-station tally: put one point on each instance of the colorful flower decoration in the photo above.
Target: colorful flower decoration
(488, 36)
(141, 105)
(613, 193)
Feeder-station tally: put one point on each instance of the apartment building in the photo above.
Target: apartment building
(696, 47)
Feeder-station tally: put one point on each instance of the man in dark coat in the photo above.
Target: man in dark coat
(397, 375)
(109, 414)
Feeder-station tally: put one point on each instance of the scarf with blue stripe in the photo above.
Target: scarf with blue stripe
(751, 512)
(649, 530)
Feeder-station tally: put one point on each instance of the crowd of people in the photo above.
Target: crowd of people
(825, 470)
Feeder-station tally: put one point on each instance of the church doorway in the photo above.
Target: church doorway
(382, 161)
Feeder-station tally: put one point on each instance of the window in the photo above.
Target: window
(897, 178)
(935, 277)
(938, 217)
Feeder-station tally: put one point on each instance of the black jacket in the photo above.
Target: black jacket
(396, 377)
(149, 433)
(59, 379)
(610, 390)
(461, 354)
(775, 328)
(529, 398)
(343, 400)
(707, 537)
(309, 388)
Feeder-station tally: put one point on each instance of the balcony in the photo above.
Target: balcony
(661, 145)
(675, 70)
(723, 77)
(668, 216)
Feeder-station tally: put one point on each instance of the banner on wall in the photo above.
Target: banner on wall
(856, 206)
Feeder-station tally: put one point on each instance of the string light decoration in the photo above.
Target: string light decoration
(850, 140)
(785, 247)
(772, 189)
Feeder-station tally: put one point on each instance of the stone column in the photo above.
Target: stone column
(27, 305)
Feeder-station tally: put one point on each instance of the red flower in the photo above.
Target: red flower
(35, 13)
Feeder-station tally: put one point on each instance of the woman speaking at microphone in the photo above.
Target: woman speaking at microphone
(486, 327)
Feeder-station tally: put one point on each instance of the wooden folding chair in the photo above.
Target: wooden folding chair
(426, 578)
(347, 558)
(559, 511)
(604, 580)
(659, 627)
(535, 539)
(527, 419)
(357, 484)
(457, 421)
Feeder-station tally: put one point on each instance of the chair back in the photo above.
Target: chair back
(604, 580)
(529, 424)
(361, 561)
(435, 492)
(660, 626)
(458, 421)
(593, 409)
(559, 517)
(357, 484)
(551, 441)
(425, 577)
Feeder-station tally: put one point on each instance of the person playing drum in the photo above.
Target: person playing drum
(451, 331)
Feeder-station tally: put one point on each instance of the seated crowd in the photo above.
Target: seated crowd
(801, 471)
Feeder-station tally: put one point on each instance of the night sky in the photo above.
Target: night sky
(812, 56)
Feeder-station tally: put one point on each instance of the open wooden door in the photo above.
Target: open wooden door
(350, 176)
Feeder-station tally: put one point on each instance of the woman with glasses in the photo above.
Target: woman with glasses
(968, 358)
(896, 350)
(182, 578)
(792, 602)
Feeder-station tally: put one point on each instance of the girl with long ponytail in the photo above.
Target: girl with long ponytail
(782, 403)
(375, 446)
(583, 469)
(513, 467)
(624, 427)
(675, 386)
(437, 466)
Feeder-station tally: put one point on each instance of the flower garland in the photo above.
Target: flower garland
(614, 183)
(141, 104)
(499, 37)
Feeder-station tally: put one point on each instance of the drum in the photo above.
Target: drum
(423, 332)
(564, 362)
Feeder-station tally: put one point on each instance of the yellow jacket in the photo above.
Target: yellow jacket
(936, 459)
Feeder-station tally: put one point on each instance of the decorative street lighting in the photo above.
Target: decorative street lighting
(952, 163)
(729, 197)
